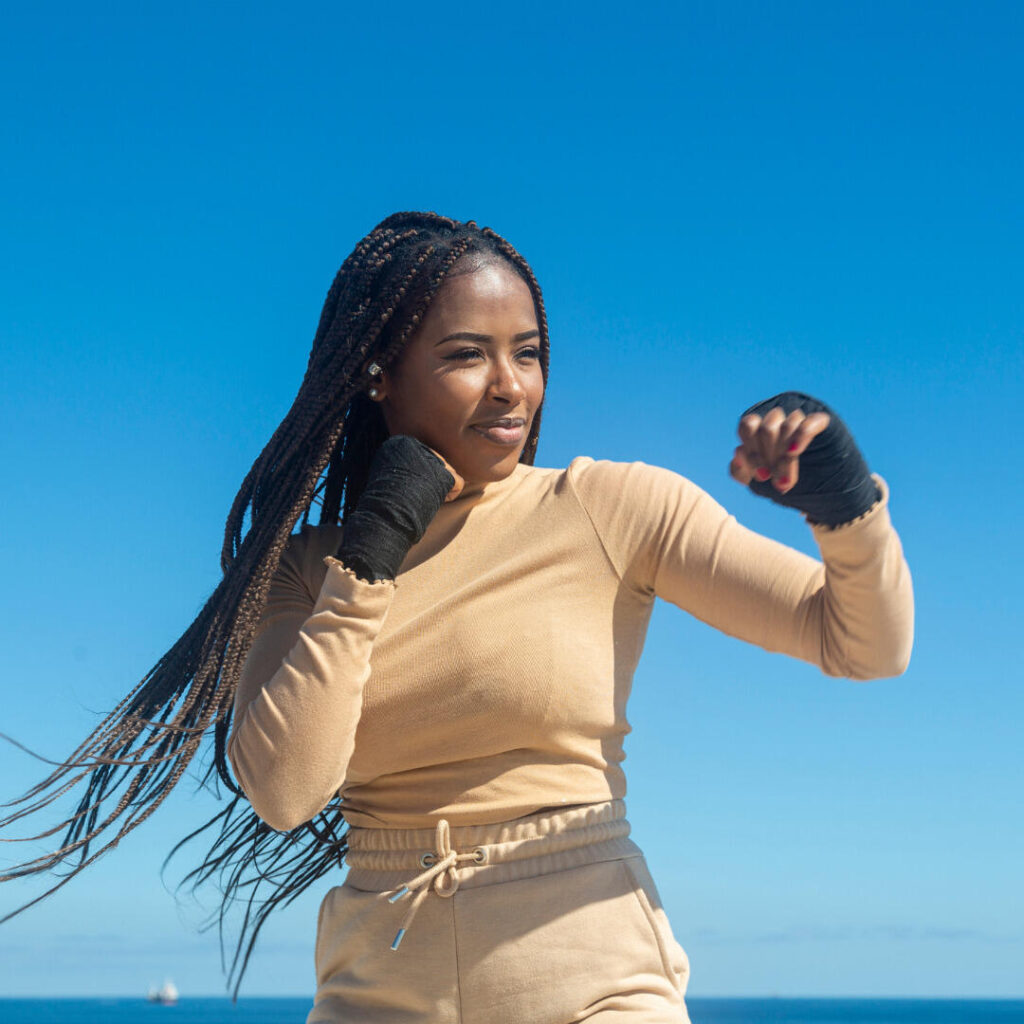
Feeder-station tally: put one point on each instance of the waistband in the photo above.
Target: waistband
(467, 856)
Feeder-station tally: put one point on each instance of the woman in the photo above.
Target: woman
(449, 670)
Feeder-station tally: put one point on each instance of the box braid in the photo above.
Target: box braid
(319, 454)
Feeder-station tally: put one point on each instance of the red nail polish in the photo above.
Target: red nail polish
(793, 447)
(763, 474)
(783, 480)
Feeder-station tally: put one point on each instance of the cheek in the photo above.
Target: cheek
(536, 390)
(435, 404)
(453, 398)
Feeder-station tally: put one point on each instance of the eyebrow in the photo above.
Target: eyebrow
(472, 336)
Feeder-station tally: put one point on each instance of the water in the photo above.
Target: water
(702, 1011)
(855, 1011)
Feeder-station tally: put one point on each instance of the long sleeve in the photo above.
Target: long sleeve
(850, 614)
(299, 697)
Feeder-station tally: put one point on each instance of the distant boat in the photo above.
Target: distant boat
(167, 995)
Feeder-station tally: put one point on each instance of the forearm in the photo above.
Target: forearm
(867, 603)
(294, 736)
(851, 613)
(295, 732)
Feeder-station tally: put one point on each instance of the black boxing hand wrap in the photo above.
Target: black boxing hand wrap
(406, 487)
(834, 484)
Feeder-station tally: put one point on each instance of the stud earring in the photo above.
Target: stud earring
(374, 370)
(374, 394)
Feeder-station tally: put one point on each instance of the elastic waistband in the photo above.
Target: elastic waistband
(552, 840)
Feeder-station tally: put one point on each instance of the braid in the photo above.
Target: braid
(320, 453)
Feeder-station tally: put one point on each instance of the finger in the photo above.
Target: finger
(789, 427)
(740, 468)
(785, 470)
(788, 471)
(748, 427)
(749, 431)
(806, 432)
(459, 482)
(768, 436)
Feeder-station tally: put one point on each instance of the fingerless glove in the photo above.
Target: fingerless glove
(834, 484)
(406, 486)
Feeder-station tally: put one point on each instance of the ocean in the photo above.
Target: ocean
(702, 1011)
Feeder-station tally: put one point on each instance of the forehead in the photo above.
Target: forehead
(493, 290)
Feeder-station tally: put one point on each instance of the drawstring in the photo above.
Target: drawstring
(442, 871)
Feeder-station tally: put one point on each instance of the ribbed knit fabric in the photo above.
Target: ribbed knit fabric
(490, 680)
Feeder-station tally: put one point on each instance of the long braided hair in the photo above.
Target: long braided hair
(320, 454)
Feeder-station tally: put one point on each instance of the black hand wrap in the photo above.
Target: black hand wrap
(406, 487)
(834, 485)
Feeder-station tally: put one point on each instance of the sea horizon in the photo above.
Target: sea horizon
(712, 997)
(703, 1010)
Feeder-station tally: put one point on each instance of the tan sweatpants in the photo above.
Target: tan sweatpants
(548, 919)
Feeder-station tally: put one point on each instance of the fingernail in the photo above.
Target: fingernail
(783, 480)
(763, 474)
(793, 447)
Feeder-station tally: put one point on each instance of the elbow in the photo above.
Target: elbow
(280, 819)
(895, 658)
(881, 665)
(900, 664)
(285, 812)
(280, 814)
(878, 649)
(274, 808)
(884, 671)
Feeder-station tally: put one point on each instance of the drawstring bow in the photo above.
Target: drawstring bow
(441, 874)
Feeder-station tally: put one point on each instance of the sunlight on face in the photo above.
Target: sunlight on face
(469, 381)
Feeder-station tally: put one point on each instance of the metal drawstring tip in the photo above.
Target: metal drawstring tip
(398, 939)
(398, 895)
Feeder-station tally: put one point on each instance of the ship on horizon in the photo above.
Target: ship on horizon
(166, 995)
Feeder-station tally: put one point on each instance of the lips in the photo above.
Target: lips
(506, 430)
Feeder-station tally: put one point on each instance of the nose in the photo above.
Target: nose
(505, 385)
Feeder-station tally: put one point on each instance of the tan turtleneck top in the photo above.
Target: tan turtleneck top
(490, 679)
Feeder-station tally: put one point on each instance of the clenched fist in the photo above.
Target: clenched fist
(795, 450)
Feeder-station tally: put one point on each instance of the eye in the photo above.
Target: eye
(528, 354)
(462, 355)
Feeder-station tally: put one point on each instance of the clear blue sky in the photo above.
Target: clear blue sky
(721, 201)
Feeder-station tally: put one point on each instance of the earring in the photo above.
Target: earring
(374, 370)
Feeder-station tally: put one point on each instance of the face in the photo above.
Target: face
(469, 381)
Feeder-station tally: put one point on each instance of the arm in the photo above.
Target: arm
(850, 614)
(300, 695)
(299, 698)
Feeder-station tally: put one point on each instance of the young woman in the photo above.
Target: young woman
(443, 663)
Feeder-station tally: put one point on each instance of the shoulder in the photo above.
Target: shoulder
(634, 509)
(302, 561)
(601, 480)
(584, 470)
(631, 502)
(313, 542)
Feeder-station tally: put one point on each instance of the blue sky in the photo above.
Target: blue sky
(721, 201)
